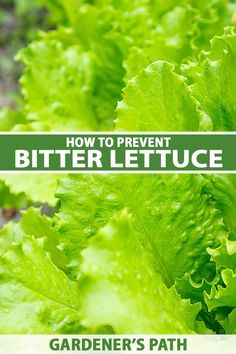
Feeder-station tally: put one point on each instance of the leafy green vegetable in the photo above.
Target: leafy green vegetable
(215, 81)
(165, 105)
(10, 120)
(36, 296)
(224, 256)
(126, 294)
(75, 82)
(93, 210)
(35, 187)
(25, 311)
(223, 189)
(124, 253)
(223, 296)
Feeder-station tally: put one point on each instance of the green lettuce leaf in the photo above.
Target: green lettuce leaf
(12, 200)
(158, 99)
(87, 204)
(225, 255)
(229, 323)
(153, 203)
(215, 81)
(62, 104)
(223, 190)
(24, 311)
(37, 225)
(27, 258)
(11, 120)
(223, 295)
(165, 208)
(85, 82)
(38, 188)
(169, 41)
(126, 294)
(156, 202)
(192, 290)
(121, 247)
(36, 296)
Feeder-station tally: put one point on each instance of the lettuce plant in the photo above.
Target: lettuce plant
(124, 254)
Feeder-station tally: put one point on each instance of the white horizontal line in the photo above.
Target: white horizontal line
(118, 133)
(119, 172)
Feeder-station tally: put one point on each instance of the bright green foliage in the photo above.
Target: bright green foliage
(192, 290)
(90, 79)
(95, 199)
(76, 70)
(229, 323)
(74, 75)
(35, 187)
(216, 82)
(124, 253)
(36, 296)
(27, 258)
(173, 219)
(126, 294)
(103, 43)
(157, 98)
(37, 225)
(11, 200)
(225, 255)
(223, 189)
(10, 120)
(25, 311)
(93, 210)
(177, 222)
(223, 296)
